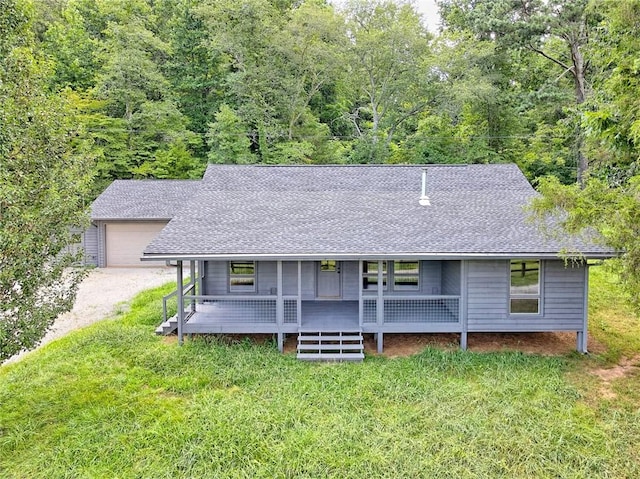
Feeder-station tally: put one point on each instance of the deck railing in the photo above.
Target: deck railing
(188, 288)
(413, 309)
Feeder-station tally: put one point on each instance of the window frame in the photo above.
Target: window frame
(231, 276)
(366, 275)
(538, 296)
(397, 275)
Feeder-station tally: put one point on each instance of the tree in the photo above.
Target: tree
(44, 176)
(280, 58)
(608, 207)
(388, 69)
(556, 30)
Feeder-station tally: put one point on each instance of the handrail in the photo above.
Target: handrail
(164, 304)
(220, 297)
(412, 296)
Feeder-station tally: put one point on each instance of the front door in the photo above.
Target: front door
(328, 279)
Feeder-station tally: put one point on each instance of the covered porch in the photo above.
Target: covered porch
(377, 312)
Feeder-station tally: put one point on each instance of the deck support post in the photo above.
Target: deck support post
(380, 307)
(279, 305)
(582, 336)
(380, 341)
(180, 302)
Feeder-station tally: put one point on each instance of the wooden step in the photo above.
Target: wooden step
(331, 356)
(314, 345)
(329, 347)
(167, 327)
(323, 338)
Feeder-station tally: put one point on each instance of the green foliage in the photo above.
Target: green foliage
(613, 213)
(103, 401)
(45, 174)
(228, 140)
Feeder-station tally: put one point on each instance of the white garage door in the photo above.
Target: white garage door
(126, 242)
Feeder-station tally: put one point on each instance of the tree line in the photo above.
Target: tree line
(163, 87)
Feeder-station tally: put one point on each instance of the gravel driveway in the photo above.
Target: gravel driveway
(101, 292)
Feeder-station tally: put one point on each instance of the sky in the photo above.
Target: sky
(427, 8)
(429, 11)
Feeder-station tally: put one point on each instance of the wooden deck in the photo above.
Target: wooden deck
(330, 315)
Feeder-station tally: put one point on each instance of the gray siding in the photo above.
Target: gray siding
(562, 296)
(451, 277)
(430, 277)
(215, 277)
(487, 290)
(102, 244)
(308, 280)
(267, 277)
(90, 244)
(290, 278)
(350, 280)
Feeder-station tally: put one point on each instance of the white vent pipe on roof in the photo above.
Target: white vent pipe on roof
(424, 199)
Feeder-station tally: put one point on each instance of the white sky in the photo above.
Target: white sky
(427, 8)
(429, 11)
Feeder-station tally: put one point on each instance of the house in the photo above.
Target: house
(344, 250)
(328, 253)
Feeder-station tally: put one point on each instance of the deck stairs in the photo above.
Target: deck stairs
(168, 326)
(316, 345)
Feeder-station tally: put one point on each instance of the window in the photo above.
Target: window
(525, 287)
(370, 275)
(242, 276)
(329, 265)
(406, 275)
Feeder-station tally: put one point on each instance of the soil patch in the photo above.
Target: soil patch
(625, 367)
(402, 345)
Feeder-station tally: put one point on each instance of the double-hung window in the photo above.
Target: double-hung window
(242, 276)
(406, 275)
(370, 275)
(524, 287)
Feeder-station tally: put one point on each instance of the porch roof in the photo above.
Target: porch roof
(358, 211)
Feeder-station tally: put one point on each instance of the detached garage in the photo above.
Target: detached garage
(126, 241)
(131, 213)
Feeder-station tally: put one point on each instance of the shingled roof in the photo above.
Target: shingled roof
(356, 211)
(142, 199)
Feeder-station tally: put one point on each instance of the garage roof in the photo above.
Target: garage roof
(143, 199)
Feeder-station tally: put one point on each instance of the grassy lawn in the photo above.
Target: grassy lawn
(114, 400)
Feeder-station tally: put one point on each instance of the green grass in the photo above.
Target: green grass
(114, 400)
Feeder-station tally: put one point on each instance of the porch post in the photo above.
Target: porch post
(279, 306)
(192, 272)
(360, 301)
(462, 305)
(180, 301)
(582, 336)
(299, 301)
(200, 277)
(380, 307)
